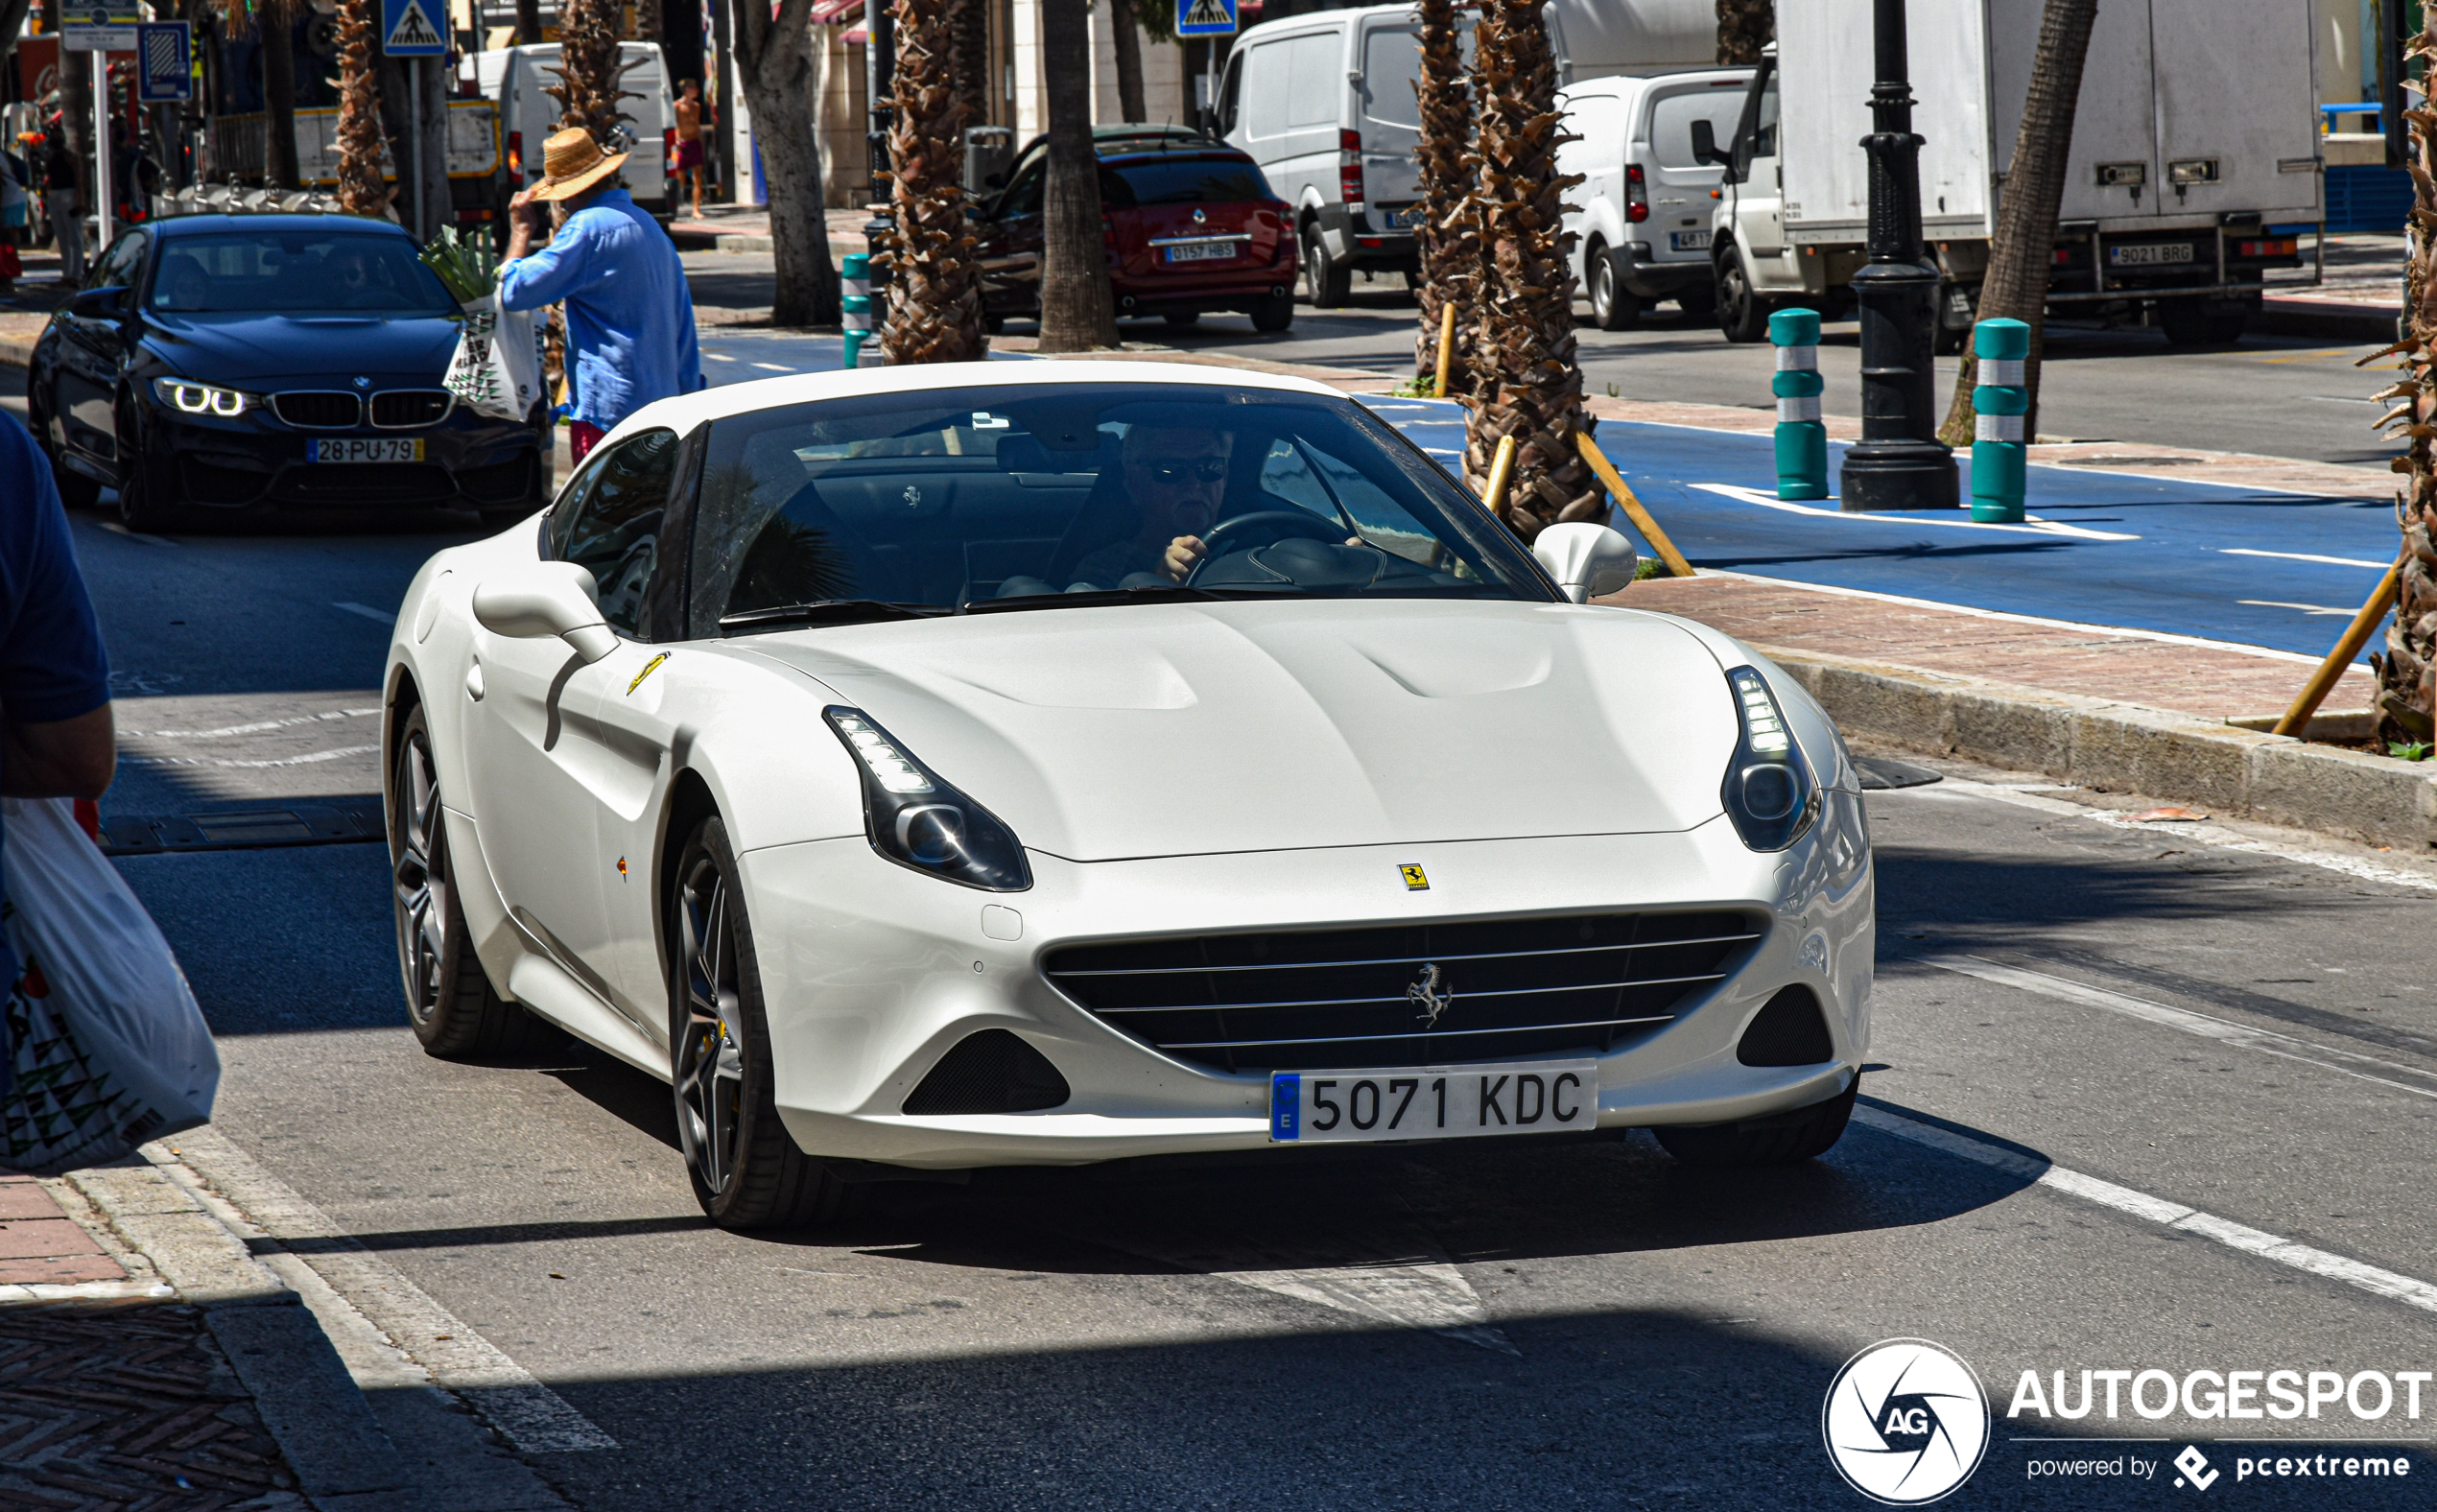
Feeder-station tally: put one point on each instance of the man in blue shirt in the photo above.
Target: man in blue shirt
(55, 736)
(629, 315)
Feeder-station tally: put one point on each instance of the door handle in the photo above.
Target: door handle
(474, 682)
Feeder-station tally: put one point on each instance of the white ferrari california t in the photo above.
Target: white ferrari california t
(1054, 762)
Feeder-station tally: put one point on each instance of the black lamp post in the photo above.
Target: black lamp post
(1899, 464)
(879, 86)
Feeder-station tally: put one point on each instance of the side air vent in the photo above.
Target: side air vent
(992, 1072)
(1790, 1031)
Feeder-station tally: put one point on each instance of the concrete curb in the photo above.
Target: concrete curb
(2125, 748)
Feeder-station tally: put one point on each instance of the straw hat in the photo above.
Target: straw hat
(573, 162)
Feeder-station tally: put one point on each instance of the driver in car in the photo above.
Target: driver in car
(1177, 476)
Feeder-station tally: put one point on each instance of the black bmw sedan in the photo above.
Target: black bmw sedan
(219, 363)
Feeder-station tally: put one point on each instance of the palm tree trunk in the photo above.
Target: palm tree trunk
(528, 23)
(2407, 671)
(969, 60)
(1128, 39)
(588, 72)
(274, 25)
(1448, 239)
(361, 191)
(2021, 253)
(648, 20)
(1526, 383)
(775, 66)
(1743, 28)
(1077, 314)
(935, 290)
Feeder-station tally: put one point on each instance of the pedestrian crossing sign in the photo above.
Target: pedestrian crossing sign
(165, 60)
(410, 29)
(1205, 18)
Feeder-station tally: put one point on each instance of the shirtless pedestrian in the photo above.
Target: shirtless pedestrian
(689, 160)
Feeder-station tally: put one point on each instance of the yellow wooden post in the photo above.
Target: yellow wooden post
(2356, 635)
(1446, 344)
(1501, 477)
(1677, 565)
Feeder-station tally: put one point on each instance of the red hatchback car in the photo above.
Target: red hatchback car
(1191, 228)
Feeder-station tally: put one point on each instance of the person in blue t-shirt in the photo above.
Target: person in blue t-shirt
(55, 736)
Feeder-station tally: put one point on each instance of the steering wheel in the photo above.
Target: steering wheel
(1279, 523)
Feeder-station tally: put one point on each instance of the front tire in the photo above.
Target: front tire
(746, 1170)
(139, 508)
(450, 1002)
(1781, 1140)
(1742, 316)
(1613, 306)
(75, 491)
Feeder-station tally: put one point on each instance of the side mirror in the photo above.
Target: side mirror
(1587, 560)
(1705, 144)
(100, 304)
(548, 599)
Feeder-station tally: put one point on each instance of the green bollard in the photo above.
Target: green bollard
(1801, 441)
(2000, 402)
(854, 274)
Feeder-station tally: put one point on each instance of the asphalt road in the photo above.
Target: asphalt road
(2083, 1029)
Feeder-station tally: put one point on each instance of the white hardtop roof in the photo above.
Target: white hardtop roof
(1634, 84)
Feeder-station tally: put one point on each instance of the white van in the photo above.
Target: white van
(516, 76)
(1643, 232)
(1324, 102)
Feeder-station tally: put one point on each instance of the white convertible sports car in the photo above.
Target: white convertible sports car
(1047, 763)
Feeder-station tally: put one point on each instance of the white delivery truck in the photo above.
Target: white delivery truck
(515, 77)
(1640, 215)
(1325, 103)
(2195, 138)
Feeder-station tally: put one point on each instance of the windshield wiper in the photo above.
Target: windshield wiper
(824, 611)
(1161, 592)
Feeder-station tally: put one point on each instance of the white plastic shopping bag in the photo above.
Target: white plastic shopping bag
(108, 1046)
(496, 370)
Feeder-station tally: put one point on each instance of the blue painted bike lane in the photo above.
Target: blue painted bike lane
(2250, 566)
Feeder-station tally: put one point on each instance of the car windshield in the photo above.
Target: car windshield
(296, 271)
(1181, 180)
(1048, 495)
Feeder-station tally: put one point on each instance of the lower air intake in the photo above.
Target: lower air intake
(992, 1072)
(1790, 1030)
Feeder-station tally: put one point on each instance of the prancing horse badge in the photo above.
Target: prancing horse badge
(1415, 881)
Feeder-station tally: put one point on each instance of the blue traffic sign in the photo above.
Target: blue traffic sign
(411, 29)
(1205, 18)
(165, 61)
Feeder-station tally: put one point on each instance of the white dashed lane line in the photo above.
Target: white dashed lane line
(2394, 1285)
(255, 728)
(2304, 557)
(282, 760)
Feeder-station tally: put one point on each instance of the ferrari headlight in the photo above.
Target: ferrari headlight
(1769, 792)
(917, 820)
(189, 397)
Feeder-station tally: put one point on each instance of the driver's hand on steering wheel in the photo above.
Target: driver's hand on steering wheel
(1184, 554)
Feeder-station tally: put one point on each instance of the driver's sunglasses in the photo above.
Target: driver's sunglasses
(1210, 469)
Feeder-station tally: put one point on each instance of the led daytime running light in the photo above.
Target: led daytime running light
(888, 764)
(188, 397)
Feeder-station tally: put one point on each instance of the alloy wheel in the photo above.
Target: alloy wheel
(709, 1080)
(419, 874)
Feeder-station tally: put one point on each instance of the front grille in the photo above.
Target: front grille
(317, 410)
(208, 482)
(401, 408)
(1326, 999)
(501, 483)
(366, 485)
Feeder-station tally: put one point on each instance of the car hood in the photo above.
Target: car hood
(297, 349)
(1187, 729)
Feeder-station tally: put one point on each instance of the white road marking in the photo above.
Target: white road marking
(2035, 526)
(368, 612)
(2267, 1042)
(283, 761)
(531, 1416)
(773, 367)
(2306, 556)
(718, 357)
(2409, 1290)
(1410, 1285)
(255, 728)
(2215, 836)
(2306, 608)
(116, 529)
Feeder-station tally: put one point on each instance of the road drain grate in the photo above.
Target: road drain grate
(260, 827)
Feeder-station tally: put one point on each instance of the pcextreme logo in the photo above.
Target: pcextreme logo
(1905, 1422)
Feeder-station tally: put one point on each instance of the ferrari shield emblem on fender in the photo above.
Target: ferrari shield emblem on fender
(649, 668)
(1415, 881)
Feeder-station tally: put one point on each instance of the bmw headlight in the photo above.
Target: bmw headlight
(189, 397)
(917, 820)
(1770, 791)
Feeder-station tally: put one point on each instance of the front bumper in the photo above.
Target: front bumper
(871, 974)
(252, 460)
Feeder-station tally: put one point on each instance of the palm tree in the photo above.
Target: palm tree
(588, 67)
(274, 21)
(969, 57)
(934, 291)
(361, 191)
(1447, 238)
(528, 22)
(1126, 37)
(2407, 673)
(1526, 383)
(1743, 28)
(1077, 314)
(648, 20)
(772, 52)
(2022, 252)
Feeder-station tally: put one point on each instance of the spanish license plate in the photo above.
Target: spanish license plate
(1688, 241)
(1549, 1097)
(1410, 215)
(2155, 252)
(1201, 251)
(369, 449)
